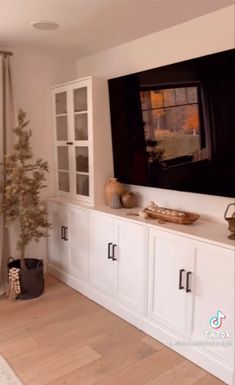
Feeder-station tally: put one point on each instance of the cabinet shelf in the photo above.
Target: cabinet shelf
(82, 173)
(63, 170)
(81, 143)
(76, 143)
(61, 115)
(80, 112)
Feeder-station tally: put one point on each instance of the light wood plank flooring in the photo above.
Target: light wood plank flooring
(63, 338)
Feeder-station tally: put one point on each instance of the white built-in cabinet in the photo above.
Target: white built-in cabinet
(80, 119)
(69, 241)
(167, 282)
(58, 241)
(118, 260)
(188, 283)
(73, 139)
(169, 297)
(102, 264)
(212, 291)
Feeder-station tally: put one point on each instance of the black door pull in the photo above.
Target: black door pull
(187, 282)
(113, 253)
(62, 232)
(109, 248)
(66, 233)
(180, 279)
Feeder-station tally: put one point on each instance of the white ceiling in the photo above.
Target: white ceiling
(90, 26)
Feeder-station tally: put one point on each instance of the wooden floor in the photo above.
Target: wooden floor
(63, 338)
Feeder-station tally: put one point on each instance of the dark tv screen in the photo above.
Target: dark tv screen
(173, 127)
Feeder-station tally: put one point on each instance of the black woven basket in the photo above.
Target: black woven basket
(32, 279)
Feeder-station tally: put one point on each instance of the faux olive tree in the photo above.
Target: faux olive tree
(22, 182)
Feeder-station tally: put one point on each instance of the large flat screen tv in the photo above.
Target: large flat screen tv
(173, 127)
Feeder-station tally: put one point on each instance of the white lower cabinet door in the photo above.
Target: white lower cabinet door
(170, 268)
(130, 265)
(58, 239)
(79, 243)
(213, 301)
(118, 265)
(101, 249)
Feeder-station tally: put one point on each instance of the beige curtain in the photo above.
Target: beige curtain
(7, 122)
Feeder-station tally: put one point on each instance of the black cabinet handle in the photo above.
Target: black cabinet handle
(62, 232)
(70, 143)
(113, 253)
(65, 233)
(187, 282)
(180, 279)
(109, 247)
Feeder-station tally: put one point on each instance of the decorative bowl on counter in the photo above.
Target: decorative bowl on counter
(169, 215)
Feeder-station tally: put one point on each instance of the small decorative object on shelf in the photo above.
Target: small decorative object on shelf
(231, 221)
(112, 186)
(128, 199)
(168, 215)
(143, 214)
(115, 202)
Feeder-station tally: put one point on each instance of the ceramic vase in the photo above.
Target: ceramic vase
(112, 186)
(115, 202)
(128, 199)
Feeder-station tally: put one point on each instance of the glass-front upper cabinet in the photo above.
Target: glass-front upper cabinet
(62, 153)
(73, 138)
(80, 109)
(80, 113)
(61, 116)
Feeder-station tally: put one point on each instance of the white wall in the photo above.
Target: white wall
(208, 34)
(33, 75)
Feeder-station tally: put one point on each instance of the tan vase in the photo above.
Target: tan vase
(128, 199)
(112, 186)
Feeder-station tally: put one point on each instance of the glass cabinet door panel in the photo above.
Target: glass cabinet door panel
(63, 181)
(80, 99)
(63, 157)
(80, 126)
(81, 154)
(61, 103)
(61, 128)
(82, 184)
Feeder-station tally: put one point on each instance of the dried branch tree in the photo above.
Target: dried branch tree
(21, 186)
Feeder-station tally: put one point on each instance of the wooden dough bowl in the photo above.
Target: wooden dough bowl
(187, 219)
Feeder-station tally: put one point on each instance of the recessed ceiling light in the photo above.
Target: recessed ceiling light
(44, 25)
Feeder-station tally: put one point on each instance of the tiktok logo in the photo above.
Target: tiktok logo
(216, 321)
